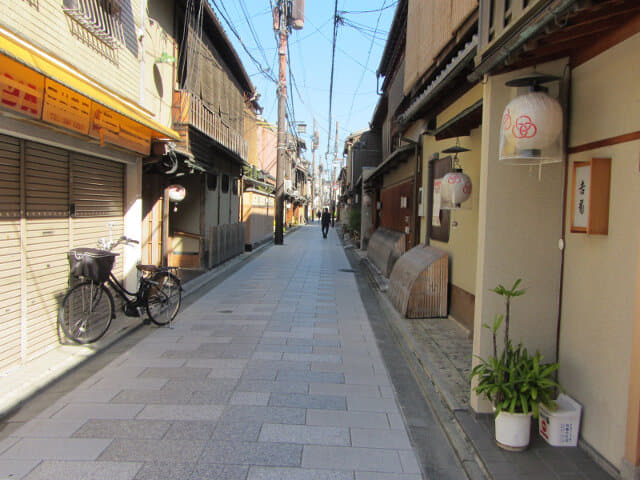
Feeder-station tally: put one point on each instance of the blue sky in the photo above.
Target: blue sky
(360, 42)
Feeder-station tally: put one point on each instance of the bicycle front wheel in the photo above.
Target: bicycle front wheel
(163, 298)
(86, 312)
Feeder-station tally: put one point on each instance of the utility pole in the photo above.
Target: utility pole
(333, 182)
(314, 147)
(280, 24)
(284, 14)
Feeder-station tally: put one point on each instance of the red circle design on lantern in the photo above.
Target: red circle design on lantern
(524, 127)
(506, 120)
(466, 189)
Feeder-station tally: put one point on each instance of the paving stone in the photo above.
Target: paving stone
(181, 412)
(250, 398)
(275, 387)
(152, 397)
(252, 453)
(326, 402)
(387, 476)
(237, 430)
(10, 469)
(259, 414)
(45, 427)
(383, 438)
(164, 471)
(279, 473)
(143, 450)
(372, 420)
(75, 411)
(190, 430)
(311, 357)
(204, 471)
(56, 449)
(350, 458)
(123, 429)
(343, 389)
(185, 372)
(304, 434)
(66, 470)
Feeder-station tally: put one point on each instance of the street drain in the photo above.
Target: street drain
(225, 311)
(347, 270)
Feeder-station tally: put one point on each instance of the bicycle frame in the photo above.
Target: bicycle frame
(132, 305)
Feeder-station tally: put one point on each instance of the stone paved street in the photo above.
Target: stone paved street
(273, 374)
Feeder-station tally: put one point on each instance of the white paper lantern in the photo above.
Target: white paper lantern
(176, 193)
(454, 189)
(531, 129)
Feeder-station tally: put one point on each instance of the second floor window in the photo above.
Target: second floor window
(101, 18)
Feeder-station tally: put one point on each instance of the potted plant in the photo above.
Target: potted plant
(514, 381)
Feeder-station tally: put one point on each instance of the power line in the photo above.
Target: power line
(367, 62)
(333, 62)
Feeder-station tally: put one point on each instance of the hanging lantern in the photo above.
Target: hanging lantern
(176, 194)
(455, 188)
(531, 125)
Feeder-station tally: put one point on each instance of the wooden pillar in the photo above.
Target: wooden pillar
(631, 467)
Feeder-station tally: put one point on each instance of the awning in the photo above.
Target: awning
(43, 87)
(401, 154)
(463, 58)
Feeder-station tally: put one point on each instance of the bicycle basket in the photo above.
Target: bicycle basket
(91, 263)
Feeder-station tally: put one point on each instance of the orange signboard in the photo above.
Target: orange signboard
(31, 93)
(21, 89)
(111, 127)
(66, 108)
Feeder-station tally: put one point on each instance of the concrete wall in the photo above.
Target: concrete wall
(520, 223)
(600, 270)
(49, 28)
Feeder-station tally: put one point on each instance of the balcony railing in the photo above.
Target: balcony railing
(190, 110)
(498, 17)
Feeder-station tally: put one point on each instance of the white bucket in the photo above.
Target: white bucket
(513, 430)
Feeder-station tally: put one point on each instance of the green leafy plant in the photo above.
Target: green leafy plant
(514, 380)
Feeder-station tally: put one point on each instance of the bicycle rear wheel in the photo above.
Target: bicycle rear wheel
(86, 312)
(163, 298)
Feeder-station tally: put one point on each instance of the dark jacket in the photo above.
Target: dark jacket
(326, 218)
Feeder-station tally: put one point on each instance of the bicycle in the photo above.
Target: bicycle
(88, 308)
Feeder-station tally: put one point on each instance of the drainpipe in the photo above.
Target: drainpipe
(416, 192)
(429, 212)
(524, 36)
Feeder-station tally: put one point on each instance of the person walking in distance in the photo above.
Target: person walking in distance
(326, 220)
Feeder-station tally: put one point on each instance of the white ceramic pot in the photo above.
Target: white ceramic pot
(513, 430)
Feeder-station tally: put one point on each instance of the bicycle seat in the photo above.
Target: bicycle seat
(147, 268)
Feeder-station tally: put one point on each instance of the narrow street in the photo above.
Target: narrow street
(276, 373)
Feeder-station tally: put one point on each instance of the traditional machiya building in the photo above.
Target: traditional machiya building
(568, 228)
(555, 185)
(83, 103)
(211, 94)
(258, 201)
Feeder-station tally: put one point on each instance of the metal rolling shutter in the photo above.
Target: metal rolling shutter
(47, 241)
(10, 257)
(97, 194)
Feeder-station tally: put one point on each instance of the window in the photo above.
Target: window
(101, 18)
(212, 181)
(225, 183)
(235, 186)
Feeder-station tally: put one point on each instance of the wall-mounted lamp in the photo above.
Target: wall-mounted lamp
(455, 188)
(531, 124)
